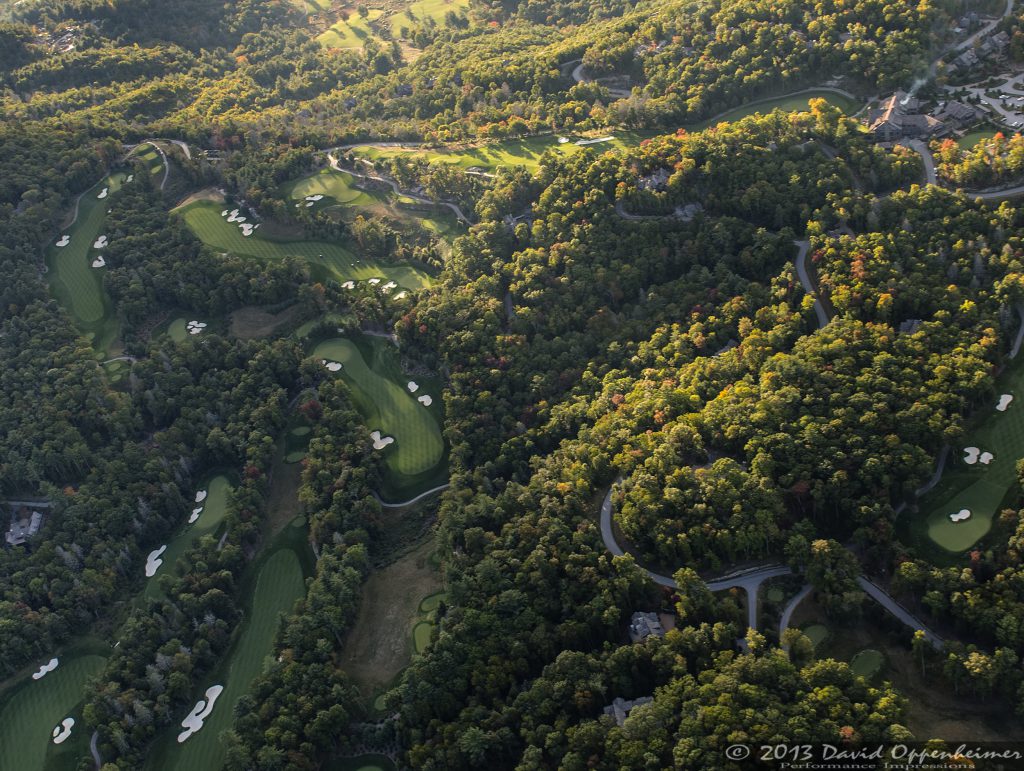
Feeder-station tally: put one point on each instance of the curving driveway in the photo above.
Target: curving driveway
(805, 280)
(411, 501)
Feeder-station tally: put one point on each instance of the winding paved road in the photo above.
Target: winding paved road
(411, 501)
(805, 280)
(921, 148)
(787, 613)
(904, 615)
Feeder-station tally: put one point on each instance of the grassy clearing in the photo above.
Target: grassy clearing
(327, 260)
(360, 763)
(436, 10)
(279, 584)
(380, 644)
(528, 152)
(978, 488)
(969, 140)
(214, 511)
(816, 633)
(867, 663)
(351, 33)
(32, 709)
(370, 366)
(74, 282)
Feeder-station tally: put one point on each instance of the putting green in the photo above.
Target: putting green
(978, 488)
(816, 633)
(335, 186)
(177, 330)
(214, 510)
(381, 395)
(867, 663)
(74, 282)
(431, 603)
(36, 707)
(279, 584)
(326, 259)
(421, 635)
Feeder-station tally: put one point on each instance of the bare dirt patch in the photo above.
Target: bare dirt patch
(251, 322)
(206, 194)
(380, 644)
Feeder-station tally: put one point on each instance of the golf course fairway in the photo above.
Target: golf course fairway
(74, 282)
(279, 584)
(978, 488)
(214, 510)
(36, 707)
(327, 259)
(382, 396)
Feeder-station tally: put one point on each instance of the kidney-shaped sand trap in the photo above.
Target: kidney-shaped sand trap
(63, 731)
(195, 719)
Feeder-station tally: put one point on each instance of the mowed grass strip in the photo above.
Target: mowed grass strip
(279, 584)
(214, 510)
(389, 407)
(420, 11)
(205, 220)
(77, 285)
(979, 488)
(351, 33)
(528, 152)
(28, 719)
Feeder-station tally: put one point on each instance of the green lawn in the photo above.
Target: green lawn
(816, 633)
(74, 282)
(214, 510)
(36, 707)
(352, 33)
(337, 187)
(278, 585)
(420, 11)
(527, 152)
(978, 488)
(177, 330)
(867, 663)
(972, 138)
(431, 603)
(379, 391)
(360, 763)
(421, 635)
(328, 260)
(296, 444)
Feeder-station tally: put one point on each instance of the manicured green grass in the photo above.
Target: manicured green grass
(177, 330)
(528, 152)
(74, 282)
(421, 635)
(337, 187)
(328, 260)
(279, 584)
(418, 12)
(775, 594)
(972, 138)
(360, 763)
(380, 393)
(816, 633)
(34, 709)
(353, 33)
(431, 603)
(980, 488)
(867, 663)
(214, 511)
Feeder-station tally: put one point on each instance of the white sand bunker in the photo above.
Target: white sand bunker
(103, 193)
(200, 496)
(63, 731)
(314, 198)
(308, 204)
(153, 561)
(1004, 402)
(388, 287)
(233, 216)
(380, 442)
(425, 400)
(374, 281)
(195, 514)
(130, 178)
(332, 366)
(401, 295)
(64, 240)
(971, 455)
(413, 386)
(563, 140)
(194, 328)
(45, 669)
(100, 242)
(99, 262)
(960, 516)
(247, 230)
(986, 458)
(349, 285)
(195, 719)
(224, 213)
